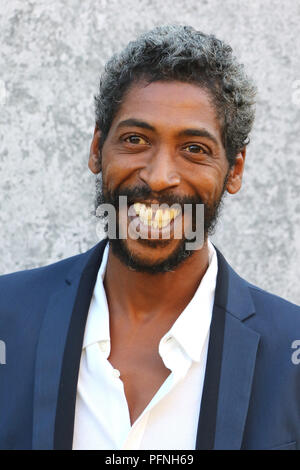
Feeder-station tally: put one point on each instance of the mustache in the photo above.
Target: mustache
(144, 193)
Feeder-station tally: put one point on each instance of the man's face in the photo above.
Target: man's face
(164, 146)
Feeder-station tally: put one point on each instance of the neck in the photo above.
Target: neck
(141, 296)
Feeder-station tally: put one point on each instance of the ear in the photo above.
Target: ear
(95, 157)
(235, 177)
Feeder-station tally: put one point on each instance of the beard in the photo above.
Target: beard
(180, 253)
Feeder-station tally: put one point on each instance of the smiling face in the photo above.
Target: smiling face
(164, 146)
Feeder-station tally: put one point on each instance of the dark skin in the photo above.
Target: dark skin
(144, 306)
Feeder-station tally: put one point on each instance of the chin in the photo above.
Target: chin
(150, 256)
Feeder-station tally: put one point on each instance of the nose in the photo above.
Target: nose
(160, 172)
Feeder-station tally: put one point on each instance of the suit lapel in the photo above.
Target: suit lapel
(238, 357)
(238, 364)
(59, 352)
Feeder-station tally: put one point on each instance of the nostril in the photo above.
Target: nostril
(159, 179)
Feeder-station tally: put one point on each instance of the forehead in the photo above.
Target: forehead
(174, 105)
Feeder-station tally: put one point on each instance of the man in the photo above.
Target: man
(150, 340)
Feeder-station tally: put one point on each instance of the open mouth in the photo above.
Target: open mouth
(155, 217)
(154, 220)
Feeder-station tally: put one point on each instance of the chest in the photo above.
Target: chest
(141, 368)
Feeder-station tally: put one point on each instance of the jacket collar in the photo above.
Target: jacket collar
(240, 348)
(232, 293)
(58, 354)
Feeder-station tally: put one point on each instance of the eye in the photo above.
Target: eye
(193, 148)
(136, 139)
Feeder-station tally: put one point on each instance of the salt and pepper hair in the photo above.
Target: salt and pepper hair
(181, 53)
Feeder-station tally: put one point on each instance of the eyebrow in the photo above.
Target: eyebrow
(185, 132)
(135, 123)
(198, 133)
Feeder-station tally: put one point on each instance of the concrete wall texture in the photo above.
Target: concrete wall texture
(50, 59)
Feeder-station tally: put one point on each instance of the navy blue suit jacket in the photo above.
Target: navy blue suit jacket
(42, 319)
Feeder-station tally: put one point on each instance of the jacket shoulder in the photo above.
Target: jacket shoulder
(277, 303)
(275, 317)
(52, 272)
(265, 312)
(28, 291)
(36, 277)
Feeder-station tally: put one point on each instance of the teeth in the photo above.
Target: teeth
(149, 214)
(162, 217)
(142, 210)
(137, 207)
(158, 216)
(167, 216)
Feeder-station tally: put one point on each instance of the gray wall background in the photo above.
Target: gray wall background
(50, 59)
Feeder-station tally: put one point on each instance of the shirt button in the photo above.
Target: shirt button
(116, 373)
(103, 346)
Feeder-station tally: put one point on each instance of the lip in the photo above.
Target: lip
(146, 203)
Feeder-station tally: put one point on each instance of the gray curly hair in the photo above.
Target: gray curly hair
(174, 52)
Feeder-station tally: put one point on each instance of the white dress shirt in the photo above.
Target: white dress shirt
(170, 420)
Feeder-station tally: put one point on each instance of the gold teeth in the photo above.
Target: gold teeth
(155, 218)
